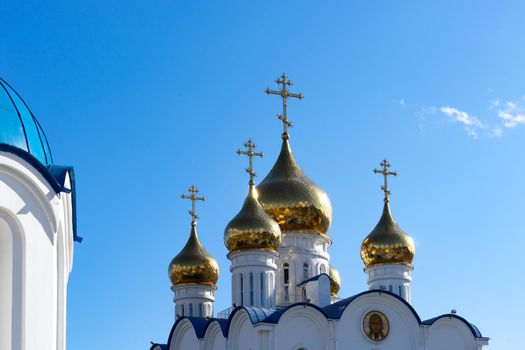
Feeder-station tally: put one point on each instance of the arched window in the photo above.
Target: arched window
(261, 284)
(242, 288)
(305, 271)
(303, 291)
(191, 310)
(286, 273)
(182, 310)
(322, 268)
(201, 311)
(251, 289)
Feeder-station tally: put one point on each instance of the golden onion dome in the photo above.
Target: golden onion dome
(252, 228)
(335, 281)
(193, 265)
(293, 200)
(387, 243)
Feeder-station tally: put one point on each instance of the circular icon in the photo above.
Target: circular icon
(375, 325)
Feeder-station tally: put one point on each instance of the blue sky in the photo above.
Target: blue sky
(146, 98)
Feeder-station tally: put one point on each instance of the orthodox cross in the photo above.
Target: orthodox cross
(385, 164)
(284, 93)
(250, 147)
(193, 197)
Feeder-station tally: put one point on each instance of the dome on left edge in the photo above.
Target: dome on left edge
(19, 127)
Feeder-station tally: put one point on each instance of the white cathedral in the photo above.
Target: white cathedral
(284, 288)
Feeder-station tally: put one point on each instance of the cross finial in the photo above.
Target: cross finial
(193, 197)
(385, 164)
(284, 93)
(250, 147)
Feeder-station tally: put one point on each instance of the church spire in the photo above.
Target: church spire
(284, 93)
(193, 190)
(385, 172)
(250, 147)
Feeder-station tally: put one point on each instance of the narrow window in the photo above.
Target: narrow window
(305, 271)
(242, 289)
(286, 293)
(201, 311)
(191, 310)
(304, 294)
(286, 273)
(390, 288)
(399, 291)
(322, 269)
(182, 310)
(261, 283)
(251, 288)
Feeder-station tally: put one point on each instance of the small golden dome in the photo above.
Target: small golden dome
(193, 265)
(387, 243)
(293, 200)
(335, 282)
(252, 228)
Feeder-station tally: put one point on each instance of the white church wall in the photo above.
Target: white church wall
(451, 334)
(302, 327)
(33, 211)
(404, 330)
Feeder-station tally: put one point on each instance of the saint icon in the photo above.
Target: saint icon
(375, 326)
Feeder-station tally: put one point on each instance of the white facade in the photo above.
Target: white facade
(36, 255)
(339, 326)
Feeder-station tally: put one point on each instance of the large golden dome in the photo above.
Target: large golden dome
(252, 228)
(293, 200)
(387, 243)
(335, 282)
(193, 265)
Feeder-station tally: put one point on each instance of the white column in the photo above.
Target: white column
(395, 278)
(246, 268)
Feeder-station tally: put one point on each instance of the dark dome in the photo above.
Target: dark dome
(19, 127)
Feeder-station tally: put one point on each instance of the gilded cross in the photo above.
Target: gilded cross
(284, 93)
(385, 164)
(250, 147)
(193, 197)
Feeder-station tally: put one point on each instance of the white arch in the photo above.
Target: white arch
(12, 282)
(302, 327)
(31, 187)
(451, 334)
(214, 339)
(241, 334)
(184, 337)
(405, 331)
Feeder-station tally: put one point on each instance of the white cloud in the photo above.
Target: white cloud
(472, 123)
(504, 114)
(512, 114)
